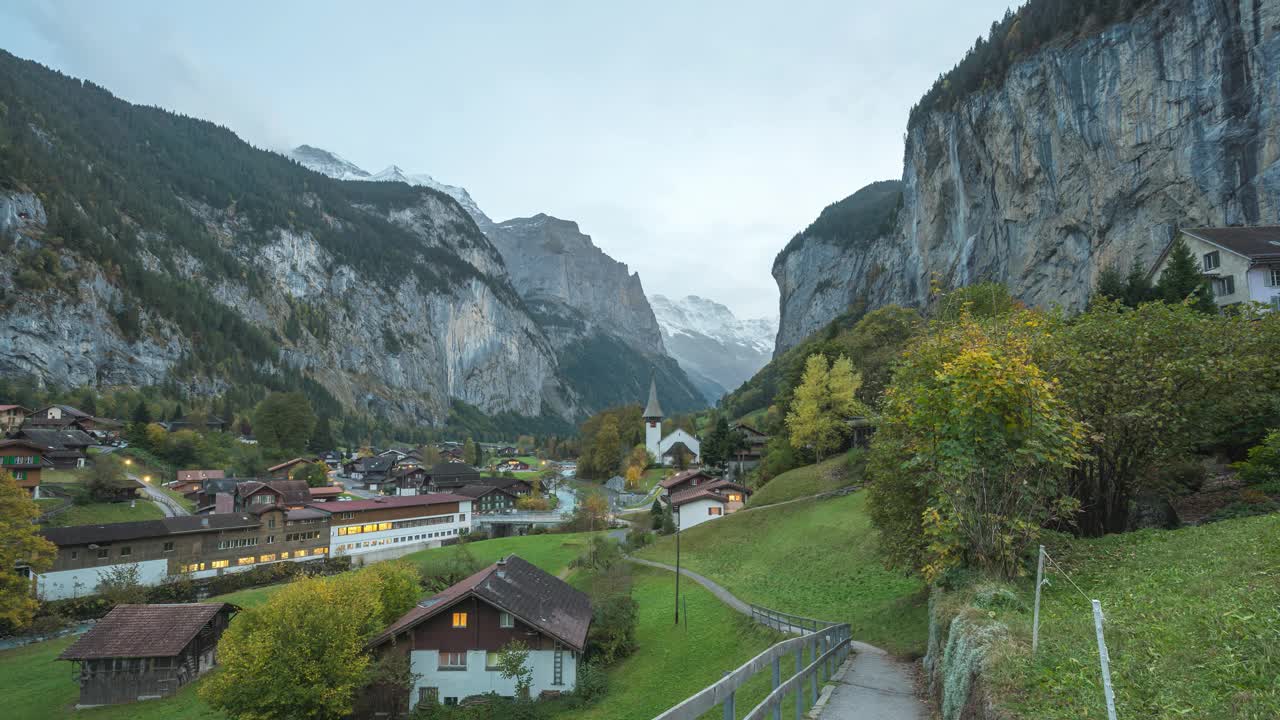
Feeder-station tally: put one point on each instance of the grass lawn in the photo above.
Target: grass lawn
(64, 477)
(103, 513)
(673, 663)
(1192, 626)
(817, 558)
(831, 474)
(177, 496)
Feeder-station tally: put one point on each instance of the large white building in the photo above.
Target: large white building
(388, 527)
(664, 449)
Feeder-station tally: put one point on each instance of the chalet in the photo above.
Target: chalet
(211, 488)
(508, 451)
(331, 459)
(195, 546)
(142, 652)
(751, 449)
(283, 469)
(211, 423)
(327, 493)
(684, 481)
(194, 476)
(12, 417)
(488, 499)
(448, 475)
(512, 465)
(395, 455)
(708, 501)
(372, 471)
(516, 486)
(65, 447)
(24, 460)
(407, 480)
(61, 416)
(290, 494)
(453, 639)
(1241, 264)
(395, 526)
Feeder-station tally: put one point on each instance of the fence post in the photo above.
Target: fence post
(799, 685)
(813, 655)
(1106, 662)
(728, 704)
(777, 680)
(1035, 614)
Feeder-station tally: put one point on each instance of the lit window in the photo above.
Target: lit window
(284, 556)
(245, 560)
(371, 527)
(270, 557)
(713, 511)
(219, 563)
(505, 620)
(319, 551)
(300, 553)
(459, 619)
(384, 526)
(735, 497)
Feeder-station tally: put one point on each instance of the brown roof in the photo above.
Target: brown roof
(22, 443)
(479, 491)
(119, 532)
(197, 475)
(713, 490)
(327, 491)
(13, 407)
(285, 464)
(132, 631)
(537, 598)
(1251, 242)
(55, 438)
(682, 477)
(396, 501)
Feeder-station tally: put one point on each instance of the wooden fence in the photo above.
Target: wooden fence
(825, 645)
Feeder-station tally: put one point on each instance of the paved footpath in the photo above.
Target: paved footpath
(872, 684)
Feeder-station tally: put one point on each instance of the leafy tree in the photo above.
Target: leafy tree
(283, 422)
(591, 513)
(513, 664)
(106, 478)
(20, 546)
(1262, 466)
(825, 400)
(634, 477)
(979, 430)
(315, 474)
(1182, 279)
(471, 453)
(121, 585)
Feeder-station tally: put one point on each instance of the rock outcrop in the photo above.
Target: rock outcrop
(1089, 153)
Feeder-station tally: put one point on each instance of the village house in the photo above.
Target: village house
(188, 476)
(406, 480)
(453, 639)
(65, 447)
(488, 499)
(708, 501)
(750, 451)
(372, 472)
(325, 494)
(61, 416)
(282, 470)
(211, 423)
(508, 451)
(1242, 264)
(684, 480)
(512, 465)
(211, 488)
(12, 417)
(24, 460)
(446, 476)
(195, 546)
(143, 652)
(388, 527)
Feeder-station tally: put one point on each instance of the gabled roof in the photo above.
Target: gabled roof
(291, 492)
(652, 409)
(119, 532)
(21, 443)
(452, 468)
(1251, 242)
(478, 491)
(133, 631)
(4, 408)
(714, 490)
(681, 477)
(55, 438)
(328, 491)
(286, 464)
(194, 475)
(535, 597)
(68, 410)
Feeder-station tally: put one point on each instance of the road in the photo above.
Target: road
(353, 488)
(171, 507)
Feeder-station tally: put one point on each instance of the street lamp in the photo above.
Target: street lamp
(146, 478)
(128, 461)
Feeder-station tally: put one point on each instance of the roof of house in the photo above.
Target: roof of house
(286, 464)
(398, 501)
(1251, 242)
(291, 492)
(534, 596)
(56, 438)
(21, 443)
(67, 409)
(747, 429)
(453, 468)
(131, 631)
(652, 409)
(4, 408)
(119, 532)
(213, 486)
(327, 491)
(681, 477)
(193, 475)
(377, 463)
(713, 490)
(480, 490)
(307, 513)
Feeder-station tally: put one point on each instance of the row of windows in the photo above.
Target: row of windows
(458, 661)
(505, 620)
(294, 537)
(250, 560)
(382, 526)
(401, 539)
(237, 543)
(19, 460)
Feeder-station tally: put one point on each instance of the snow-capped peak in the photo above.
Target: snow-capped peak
(333, 165)
(693, 315)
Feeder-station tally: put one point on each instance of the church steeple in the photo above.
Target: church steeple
(653, 411)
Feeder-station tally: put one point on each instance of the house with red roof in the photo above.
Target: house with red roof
(12, 417)
(453, 639)
(698, 503)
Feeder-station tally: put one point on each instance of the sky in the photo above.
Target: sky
(691, 140)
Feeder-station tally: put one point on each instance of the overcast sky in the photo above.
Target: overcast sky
(691, 140)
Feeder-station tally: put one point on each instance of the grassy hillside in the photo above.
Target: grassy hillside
(828, 475)
(1192, 627)
(815, 558)
(104, 513)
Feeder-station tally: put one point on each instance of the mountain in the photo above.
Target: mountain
(716, 349)
(144, 248)
(590, 307)
(1077, 136)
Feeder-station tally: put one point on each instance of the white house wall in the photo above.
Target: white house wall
(690, 442)
(476, 680)
(695, 513)
(63, 584)
(414, 538)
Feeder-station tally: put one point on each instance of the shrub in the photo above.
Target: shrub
(1262, 466)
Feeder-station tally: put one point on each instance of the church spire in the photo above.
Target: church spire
(653, 410)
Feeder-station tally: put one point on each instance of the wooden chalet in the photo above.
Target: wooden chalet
(65, 447)
(283, 469)
(24, 460)
(143, 652)
(12, 417)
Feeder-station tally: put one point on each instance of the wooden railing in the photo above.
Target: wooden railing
(824, 644)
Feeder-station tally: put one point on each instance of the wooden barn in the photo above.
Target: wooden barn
(144, 652)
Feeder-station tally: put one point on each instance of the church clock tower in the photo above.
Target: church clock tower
(653, 423)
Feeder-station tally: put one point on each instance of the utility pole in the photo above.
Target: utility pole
(675, 510)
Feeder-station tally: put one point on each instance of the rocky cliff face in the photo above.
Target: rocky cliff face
(1091, 152)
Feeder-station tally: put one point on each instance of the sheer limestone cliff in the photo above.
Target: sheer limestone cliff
(1090, 152)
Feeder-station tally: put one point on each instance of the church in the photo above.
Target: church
(666, 449)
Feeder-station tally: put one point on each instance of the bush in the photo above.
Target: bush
(593, 682)
(1262, 465)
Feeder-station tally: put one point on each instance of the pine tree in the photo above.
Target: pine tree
(1137, 286)
(1182, 279)
(1111, 283)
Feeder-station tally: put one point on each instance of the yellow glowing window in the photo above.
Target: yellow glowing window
(245, 561)
(300, 553)
(371, 527)
(267, 558)
(734, 497)
(384, 526)
(342, 531)
(284, 556)
(220, 563)
(460, 620)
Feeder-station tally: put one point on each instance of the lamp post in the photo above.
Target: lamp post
(675, 511)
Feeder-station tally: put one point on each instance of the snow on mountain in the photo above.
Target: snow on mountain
(711, 343)
(335, 166)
